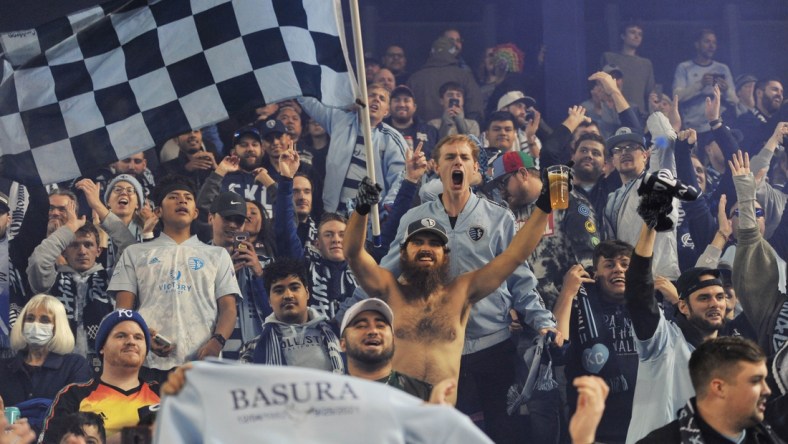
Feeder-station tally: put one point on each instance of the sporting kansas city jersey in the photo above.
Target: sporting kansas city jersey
(118, 408)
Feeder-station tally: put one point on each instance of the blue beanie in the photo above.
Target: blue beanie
(116, 317)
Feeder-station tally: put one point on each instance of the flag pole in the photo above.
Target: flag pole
(358, 47)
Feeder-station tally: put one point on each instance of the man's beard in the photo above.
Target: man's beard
(247, 165)
(703, 325)
(423, 281)
(370, 361)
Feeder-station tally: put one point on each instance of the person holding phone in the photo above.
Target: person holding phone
(453, 121)
(228, 220)
(695, 80)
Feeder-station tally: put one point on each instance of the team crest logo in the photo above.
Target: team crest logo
(271, 123)
(175, 275)
(195, 263)
(476, 233)
(428, 222)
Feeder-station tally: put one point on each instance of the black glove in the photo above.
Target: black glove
(664, 182)
(368, 195)
(656, 198)
(543, 201)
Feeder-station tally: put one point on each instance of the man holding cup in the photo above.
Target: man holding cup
(571, 233)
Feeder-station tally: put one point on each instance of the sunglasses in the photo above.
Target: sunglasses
(625, 149)
(758, 212)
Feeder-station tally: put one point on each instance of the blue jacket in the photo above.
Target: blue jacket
(483, 231)
(57, 372)
(345, 130)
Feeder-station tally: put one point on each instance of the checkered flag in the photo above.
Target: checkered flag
(128, 76)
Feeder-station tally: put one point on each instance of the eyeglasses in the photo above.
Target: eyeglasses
(625, 149)
(503, 182)
(758, 212)
(123, 190)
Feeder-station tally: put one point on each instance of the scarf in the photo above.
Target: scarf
(5, 295)
(691, 433)
(598, 356)
(86, 301)
(269, 351)
(540, 374)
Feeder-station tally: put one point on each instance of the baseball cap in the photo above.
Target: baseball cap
(689, 281)
(614, 71)
(625, 134)
(229, 204)
(373, 304)
(402, 90)
(116, 317)
(513, 97)
(426, 225)
(4, 208)
(272, 126)
(510, 162)
(248, 130)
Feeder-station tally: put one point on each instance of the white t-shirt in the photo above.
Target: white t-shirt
(177, 286)
(230, 402)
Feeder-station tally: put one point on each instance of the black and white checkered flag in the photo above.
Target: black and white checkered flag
(128, 75)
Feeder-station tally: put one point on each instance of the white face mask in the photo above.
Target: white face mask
(36, 333)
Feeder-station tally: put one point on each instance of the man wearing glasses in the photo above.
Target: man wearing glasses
(630, 156)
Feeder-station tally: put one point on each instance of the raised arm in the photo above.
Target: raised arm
(285, 229)
(755, 274)
(376, 281)
(562, 310)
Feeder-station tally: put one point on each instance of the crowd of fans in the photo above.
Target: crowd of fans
(652, 309)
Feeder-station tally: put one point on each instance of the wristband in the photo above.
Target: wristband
(219, 338)
(147, 236)
(715, 122)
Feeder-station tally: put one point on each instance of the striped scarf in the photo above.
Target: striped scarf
(268, 350)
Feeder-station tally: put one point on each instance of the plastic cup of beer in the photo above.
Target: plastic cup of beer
(558, 177)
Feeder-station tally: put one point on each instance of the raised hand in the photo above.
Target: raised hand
(415, 163)
(739, 165)
(92, 192)
(575, 277)
(289, 161)
(368, 195)
(724, 226)
(606, 80)
(592, 392)
(712, 110)
(229, 164)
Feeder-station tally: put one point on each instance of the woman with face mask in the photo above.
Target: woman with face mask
(43, 364)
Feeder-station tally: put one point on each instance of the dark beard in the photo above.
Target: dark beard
(248, 165)
(421, 282)
(703, 325)
(370, 362)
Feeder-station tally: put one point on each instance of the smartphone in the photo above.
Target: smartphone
(454, 103)
(162, 340)
(240, 237)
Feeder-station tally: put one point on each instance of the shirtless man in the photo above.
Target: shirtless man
(432, 311)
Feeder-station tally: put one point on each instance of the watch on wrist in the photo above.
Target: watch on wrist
(219, 338)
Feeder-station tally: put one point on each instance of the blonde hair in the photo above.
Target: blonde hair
(62, 341)
(454, 139)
